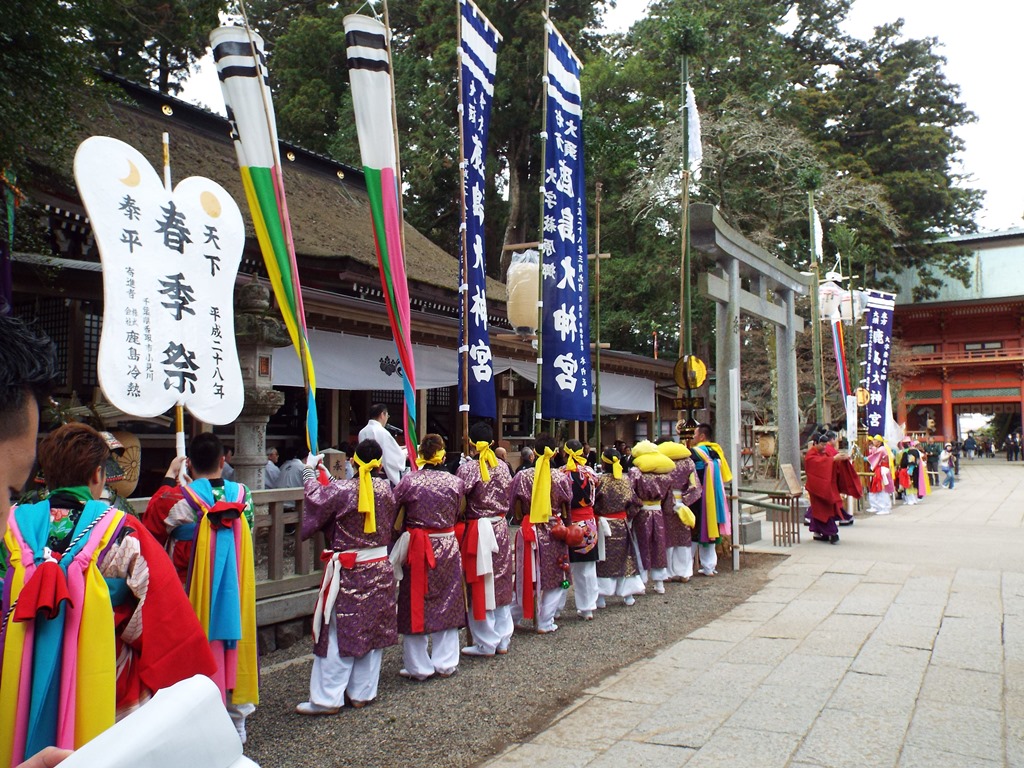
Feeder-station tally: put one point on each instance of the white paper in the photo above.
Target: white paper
(184, 725)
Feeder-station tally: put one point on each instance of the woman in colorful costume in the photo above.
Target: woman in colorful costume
(354, 620)
(582, 541)
(431, 605)
(830, 474)
(486, 546)
(712, 516)
(882, 486)
(213, 517)
(913, 472)
(616, 505)
(539, 496)
(95, 620)
(679, 518)
(652, 482)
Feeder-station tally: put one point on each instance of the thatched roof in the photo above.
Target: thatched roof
(327, 201)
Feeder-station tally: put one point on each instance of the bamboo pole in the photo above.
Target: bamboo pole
(464, 281)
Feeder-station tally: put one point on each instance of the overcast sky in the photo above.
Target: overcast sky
(981, 43)
(982, 52)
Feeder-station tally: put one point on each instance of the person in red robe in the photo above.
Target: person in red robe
(830, 474)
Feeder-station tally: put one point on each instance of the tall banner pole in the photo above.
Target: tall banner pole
(464, 261)
(179, 407)
(538, 414)
(819, 382)
(477, 65)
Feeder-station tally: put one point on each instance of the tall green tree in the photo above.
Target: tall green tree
(150, 41)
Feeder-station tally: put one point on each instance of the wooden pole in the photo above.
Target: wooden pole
(597, 314)
(464, 274)
(538, 414)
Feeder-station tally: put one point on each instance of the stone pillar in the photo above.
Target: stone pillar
(256, 333)
(788, 405)
(727, 354)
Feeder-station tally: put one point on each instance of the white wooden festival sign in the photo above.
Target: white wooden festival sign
(169, 266)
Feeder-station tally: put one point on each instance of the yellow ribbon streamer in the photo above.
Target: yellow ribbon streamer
(367, 504)
(574, 458)
(616, 466)
(437, 458)
(540, 501)
(487, 459)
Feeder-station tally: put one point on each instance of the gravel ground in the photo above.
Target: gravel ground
(490, 703)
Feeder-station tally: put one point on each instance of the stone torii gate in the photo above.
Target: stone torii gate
(749, 280)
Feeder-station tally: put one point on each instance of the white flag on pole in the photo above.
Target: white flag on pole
(694, 147)
(819, 237)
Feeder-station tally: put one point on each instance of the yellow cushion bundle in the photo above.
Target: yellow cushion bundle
(675, 451)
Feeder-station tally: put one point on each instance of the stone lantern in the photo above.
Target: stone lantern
(257, 333)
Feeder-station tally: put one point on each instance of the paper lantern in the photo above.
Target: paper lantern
(522, 293)
(830, 295)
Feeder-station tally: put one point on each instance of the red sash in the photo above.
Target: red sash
(529, 595)
(421, 559)
(469, 541)
(615, 515)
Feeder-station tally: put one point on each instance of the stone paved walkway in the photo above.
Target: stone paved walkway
(901, 646)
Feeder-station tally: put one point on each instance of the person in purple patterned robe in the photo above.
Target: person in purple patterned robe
(582, 557)
(616, 506)
(539, 592)
(685, 490)
(486, 546)
(352, 628)
(431, 601)
(649, 523)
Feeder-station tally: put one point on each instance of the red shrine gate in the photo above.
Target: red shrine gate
(968, 345)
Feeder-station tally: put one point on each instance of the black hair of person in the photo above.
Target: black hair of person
(28, 368)
(205, 452)
(368, 450)
(377, 409)
(481, 432)
(542, 441)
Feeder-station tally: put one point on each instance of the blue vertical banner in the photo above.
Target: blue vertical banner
(565, 371)
(878, 313)
(478, 47)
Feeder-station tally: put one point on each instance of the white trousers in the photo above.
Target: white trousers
(443, 656)
(623, 586)
(584, 583)
(657, 574)
(880, 503)
(680, 562)
(495, 631)
(238, 713)
(333, 676)
(708, 557)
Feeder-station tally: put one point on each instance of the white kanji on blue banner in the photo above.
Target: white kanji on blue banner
(477, 61)
(566, 376)
(879, 312)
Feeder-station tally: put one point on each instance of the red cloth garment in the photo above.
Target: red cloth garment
(469, 541)
(822, 484)
(45, 590)
(848, 480)
(154, 519)
(529, 593)
(173, 646)
(421, 560)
